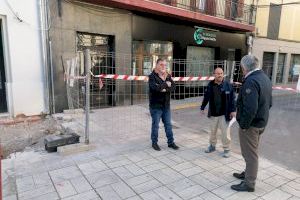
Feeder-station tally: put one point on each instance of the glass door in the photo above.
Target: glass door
(145, 55)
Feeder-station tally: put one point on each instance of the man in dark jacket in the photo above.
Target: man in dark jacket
(253, 104)
(160, 87)
(221, 97)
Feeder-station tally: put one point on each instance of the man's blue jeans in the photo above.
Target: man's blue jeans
(164, 114)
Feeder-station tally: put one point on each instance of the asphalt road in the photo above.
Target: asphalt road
(281, 140)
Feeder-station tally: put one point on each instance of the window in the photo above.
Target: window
(147, 52)
(268, 62)
(294, 68)
(274, 21)
(280, 67)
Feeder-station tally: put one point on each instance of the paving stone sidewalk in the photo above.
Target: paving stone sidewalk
(124, 166)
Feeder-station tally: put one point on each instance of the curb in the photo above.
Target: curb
(184, 106)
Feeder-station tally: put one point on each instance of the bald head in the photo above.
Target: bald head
(219, 75)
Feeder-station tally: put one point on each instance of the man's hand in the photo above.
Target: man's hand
(169, 83)
(202, 112)
(232, 115)
(163, 90)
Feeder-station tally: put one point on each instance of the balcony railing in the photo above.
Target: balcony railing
(234, 10)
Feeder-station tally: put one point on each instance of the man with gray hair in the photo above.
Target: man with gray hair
(253, 104)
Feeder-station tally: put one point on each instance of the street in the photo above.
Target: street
(279, 142)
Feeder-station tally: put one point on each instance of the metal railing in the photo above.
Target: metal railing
(227, 9)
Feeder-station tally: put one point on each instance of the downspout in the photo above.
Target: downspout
(48, 95)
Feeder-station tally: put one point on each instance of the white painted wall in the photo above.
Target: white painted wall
(24, 68)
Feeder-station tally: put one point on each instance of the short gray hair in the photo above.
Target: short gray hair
(250, 62)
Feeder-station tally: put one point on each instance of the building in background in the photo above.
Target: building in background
(277, 40)
(23, 87)
(131, 35)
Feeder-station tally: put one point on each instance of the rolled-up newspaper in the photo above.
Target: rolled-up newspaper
(231, 122)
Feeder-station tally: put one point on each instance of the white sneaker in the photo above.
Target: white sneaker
(226, 154)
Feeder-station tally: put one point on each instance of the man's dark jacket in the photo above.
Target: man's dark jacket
(228, 90)
(254, 101)
(158, 98)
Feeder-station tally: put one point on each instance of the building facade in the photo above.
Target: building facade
(277, 41)
(136, 33)
(22, 75)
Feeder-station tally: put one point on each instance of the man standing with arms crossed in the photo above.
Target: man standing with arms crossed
(253, 104)
(160, 87)
(221, 97)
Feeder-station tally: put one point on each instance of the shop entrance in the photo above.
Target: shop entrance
(3, 102)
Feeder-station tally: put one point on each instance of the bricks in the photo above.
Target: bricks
(80, 184)
(277, 195)
(123, 190)
(63, 174)
(65, 189)
(103, 178)
(36, 192)
(167, 175)
(166, 194)
(143, 183)
(132, 170)
(186, 189)
(92, 167)
(89, 195)
(107, 193)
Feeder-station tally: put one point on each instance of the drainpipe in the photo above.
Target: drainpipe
(44, 19)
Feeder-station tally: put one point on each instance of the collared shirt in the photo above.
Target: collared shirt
(251, 72)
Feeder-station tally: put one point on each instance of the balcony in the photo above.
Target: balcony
(233, 10)
(229, 14)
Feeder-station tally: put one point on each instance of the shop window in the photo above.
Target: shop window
(294, 68)
(268, 62)
(147, 52)
(280, 67)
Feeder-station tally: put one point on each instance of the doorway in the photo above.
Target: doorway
(3, 100)
(102, 62)
(268, 62)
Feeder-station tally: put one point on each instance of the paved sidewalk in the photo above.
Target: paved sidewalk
(124, 166)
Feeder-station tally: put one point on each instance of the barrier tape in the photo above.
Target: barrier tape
(175, 79)
(145, 78)
(274, 87)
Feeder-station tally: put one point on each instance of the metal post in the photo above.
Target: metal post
(87, 66)
(232, 71)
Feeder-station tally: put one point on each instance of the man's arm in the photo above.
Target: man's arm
(232, 96)
(155, 86)
(206, 97)
(173, 86)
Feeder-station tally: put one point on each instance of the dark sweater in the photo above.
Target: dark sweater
(229, 98)
(158, 98)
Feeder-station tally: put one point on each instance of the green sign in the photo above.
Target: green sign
(200, 36)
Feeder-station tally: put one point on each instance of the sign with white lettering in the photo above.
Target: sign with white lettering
(200, 36)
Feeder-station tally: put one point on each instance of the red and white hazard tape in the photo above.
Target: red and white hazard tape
(284, 88)
(145, 78)
(274, 87)
(175, 79)
(122, 77)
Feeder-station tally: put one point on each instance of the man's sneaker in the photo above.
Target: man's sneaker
(156, 147)
(210, 149)
(173, 146)
(239, 176)
(226, 153)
